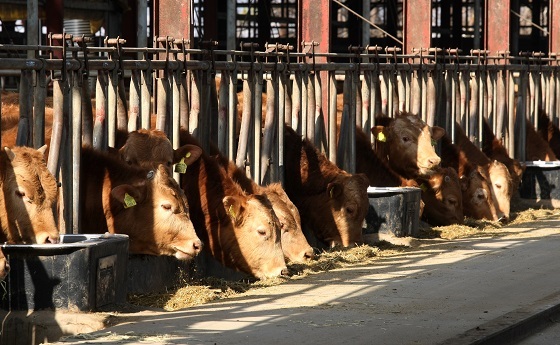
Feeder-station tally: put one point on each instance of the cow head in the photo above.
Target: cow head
(443, 198)
(477, 196)
(339, 211)
(157, 200)
(149, 148)
(295, 246)
(254, 245)
(29, 194)
(502, 188)
(407, 143)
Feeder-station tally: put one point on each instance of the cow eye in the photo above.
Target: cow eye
(20, 193)
(261, 232)
(452, 202)
(498, 185)
(405, 139)
(129, 162)
(350, 210)
(169, 164)
(166, 207)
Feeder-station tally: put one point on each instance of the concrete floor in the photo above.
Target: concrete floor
(444, 292)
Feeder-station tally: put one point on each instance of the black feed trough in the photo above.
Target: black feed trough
(394, 211)
(541, 181)
(82, 272)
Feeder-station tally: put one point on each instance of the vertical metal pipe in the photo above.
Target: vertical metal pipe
(223, 103)
(175, 114)
(296, 102)
(277, 172)
(331, 123)
(99, 127)
(383, 85)
(146, 98)
(195, 103)
(500, 104)
(430, 99)
(473, 107)
(512, 134)
(366, 101)
(416, 92)
(401, 94)
(112, 108)
(232, 115)
(162, 91)
(87, 112)
(269, 125)
(142, 38)
(257, 129)
(304, 102)
(39, 109)
(310, 123)
(76, 149)
(25, 134)
(134, 114)
(56, 137)
(247, 114)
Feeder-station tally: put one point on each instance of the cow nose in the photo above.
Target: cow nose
(285, 272)
(434, 161)
(308, 255)
(503, 219)
(197, 245)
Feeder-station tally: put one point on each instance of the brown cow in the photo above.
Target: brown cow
(405, 143)
(493, 171)
(241, 231)
(150, 148)
(441, 192)
(137, 150)
(294, 244)
(332, 202)
(4, 266)
(442, 196)
(549, 131)
(536, 147)
(477, 195)
(147, 205)
(29, 193)
(495, 150)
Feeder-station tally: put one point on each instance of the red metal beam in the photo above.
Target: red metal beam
(417, 22)
(172, 18)
(54, 11)
(497, 30)
(314, 25)
(554, 29)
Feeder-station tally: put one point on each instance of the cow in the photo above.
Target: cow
(536, 147)
(476, 190)
(405, 142)
(241, 231)
(495, 172)
(442, 196)
(332, 202)
(4, 266)
(493, 148)
(151, 147)
(294, 244)
(145, 204)
(148, 147)
(549, 131)
(29, 194)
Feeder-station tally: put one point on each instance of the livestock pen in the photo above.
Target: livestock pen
(173, 86)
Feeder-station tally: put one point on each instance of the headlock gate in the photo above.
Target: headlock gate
(171, 86)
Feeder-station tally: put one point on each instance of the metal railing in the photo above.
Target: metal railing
(170, 86)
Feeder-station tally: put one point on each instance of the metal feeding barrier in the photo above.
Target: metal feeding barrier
(171, 86)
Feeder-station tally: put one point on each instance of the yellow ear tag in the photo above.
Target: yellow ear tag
(232, 212)
(423, 187)
(381, 137)
(331, 192)
(188, 155)
(434, 142)
(181, 167)
(129, 201)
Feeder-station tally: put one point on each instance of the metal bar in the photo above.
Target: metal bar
(100, 123)
(40, 95)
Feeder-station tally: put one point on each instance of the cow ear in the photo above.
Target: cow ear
(378, 133)
(42, 149)
(437, 132)
(233, 206)
(334, 189)
(363, 180)
(191, 153)
(127, 195)
(10, 153)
